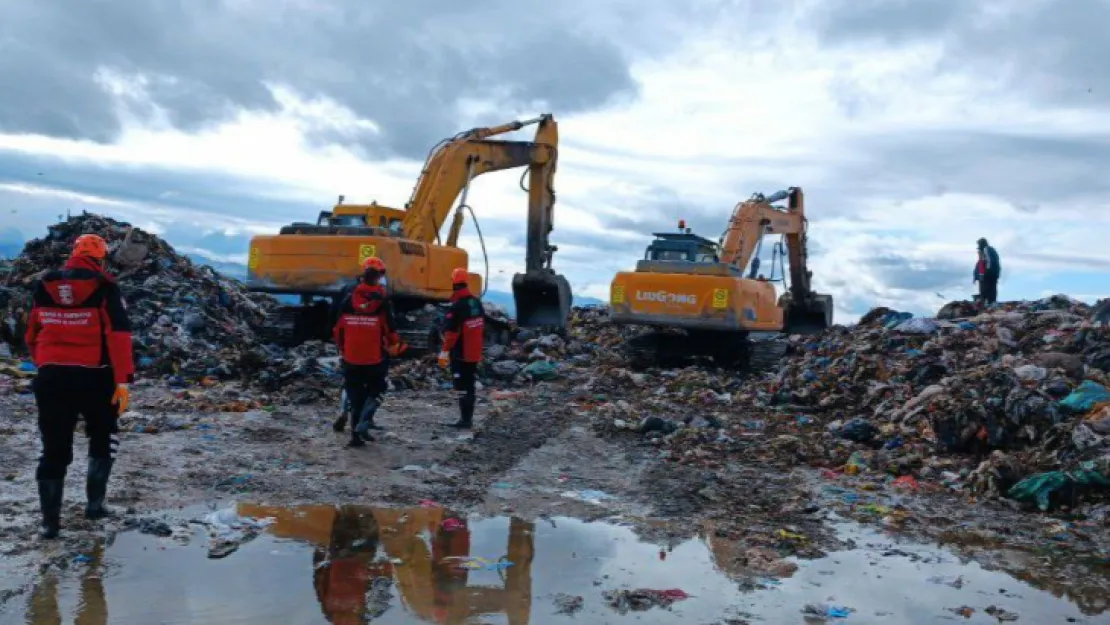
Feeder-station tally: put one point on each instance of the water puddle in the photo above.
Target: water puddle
(350, 564)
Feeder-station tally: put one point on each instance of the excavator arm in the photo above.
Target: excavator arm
(453, 164)
(542, 296)
(805, 311)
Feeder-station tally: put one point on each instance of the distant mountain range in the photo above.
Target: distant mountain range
(500, 298)
(11, 243)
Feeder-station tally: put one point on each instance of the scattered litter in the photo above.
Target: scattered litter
(588, 495)
(826, 611)
(475, 563)
(568, 604)
(1002, 615)
(227, 531)
(640, 600)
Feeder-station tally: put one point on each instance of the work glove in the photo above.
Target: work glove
(121, 399)
(444, 359)
(397, 349)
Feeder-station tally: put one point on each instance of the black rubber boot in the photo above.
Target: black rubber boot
(356, 441)
(366, 419)
(96, 487)
(50, 501)
(340, 423)
(466, 412)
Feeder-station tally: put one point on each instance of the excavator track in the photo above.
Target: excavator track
(670, 349)
(765, 355)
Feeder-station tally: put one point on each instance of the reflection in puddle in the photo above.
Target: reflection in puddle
(352, 564)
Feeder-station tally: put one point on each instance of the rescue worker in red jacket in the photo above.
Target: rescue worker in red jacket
(463, 335)
(366, 335)
(79, 335)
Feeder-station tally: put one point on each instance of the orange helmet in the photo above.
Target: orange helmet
(373, 264)
(460, 276)
(90, 245)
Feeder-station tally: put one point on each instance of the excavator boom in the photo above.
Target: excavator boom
(805, 311)
(542, 297)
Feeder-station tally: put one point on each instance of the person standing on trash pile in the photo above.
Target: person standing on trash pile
(79, 336)
(366, 335)
(987, 271)
(463, 335)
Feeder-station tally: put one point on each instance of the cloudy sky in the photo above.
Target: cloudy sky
(914, 127)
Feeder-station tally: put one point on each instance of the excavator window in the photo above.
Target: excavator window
(348, 220)
(671, 255)
(682, 247)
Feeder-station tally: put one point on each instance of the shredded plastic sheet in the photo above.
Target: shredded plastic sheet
(475, 563)
(1041, 487)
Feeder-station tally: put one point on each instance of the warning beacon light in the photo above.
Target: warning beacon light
(681, 224)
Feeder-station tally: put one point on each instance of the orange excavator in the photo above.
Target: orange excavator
(319, 261)
(693, 294)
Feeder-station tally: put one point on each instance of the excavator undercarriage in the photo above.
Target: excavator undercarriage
(751, 352)
(419, 324)
(673, 348)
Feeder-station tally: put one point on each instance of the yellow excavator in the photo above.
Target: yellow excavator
(693, 295)
(320, 261)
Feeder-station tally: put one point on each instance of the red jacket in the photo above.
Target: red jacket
(465, 327)
(365, 326)
(78, 319)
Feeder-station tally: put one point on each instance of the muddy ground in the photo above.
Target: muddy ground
(533, 454)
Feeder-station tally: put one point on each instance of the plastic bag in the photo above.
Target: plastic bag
(1039, 488)
(917, 326)
(542, 370)
(1085, 396)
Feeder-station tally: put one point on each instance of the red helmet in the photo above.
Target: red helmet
(373, 264)
(460, 276)
(90, 245)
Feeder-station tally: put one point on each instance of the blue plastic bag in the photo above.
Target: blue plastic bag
(1085, 396)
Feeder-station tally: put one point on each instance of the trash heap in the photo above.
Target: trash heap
(975, 401)
(196, 328)
(189, 322)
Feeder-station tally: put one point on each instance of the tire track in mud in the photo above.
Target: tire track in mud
(510, 431)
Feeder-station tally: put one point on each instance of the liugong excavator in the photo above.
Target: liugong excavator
(317, 261)
(694, 294)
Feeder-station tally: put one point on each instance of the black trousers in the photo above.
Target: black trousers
(988, 290)
(364, 383)
(464, 376)
(63, 394)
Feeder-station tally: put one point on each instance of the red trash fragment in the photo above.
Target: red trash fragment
(906, 481)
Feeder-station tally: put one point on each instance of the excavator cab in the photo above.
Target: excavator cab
(683, 247)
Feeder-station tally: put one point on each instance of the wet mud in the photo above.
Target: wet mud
(355, 564)
(748, 542)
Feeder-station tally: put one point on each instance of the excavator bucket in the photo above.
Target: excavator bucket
(542, 299)
(813, 316)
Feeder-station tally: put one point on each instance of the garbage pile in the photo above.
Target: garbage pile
(977, 401)
(190, 322)
(194, 327)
